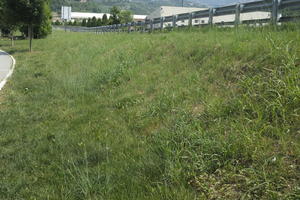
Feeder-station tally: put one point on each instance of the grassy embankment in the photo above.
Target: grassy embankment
(179, 115)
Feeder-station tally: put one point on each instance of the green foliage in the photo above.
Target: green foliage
(28, 11)
(41, 31)
(43, 28)
(33, 16)
(2, 12)
(89, 22)
(142, 7)
(99, 22)
(105, 20)
(8, 19)
(94, 22)
(115, 13)
(57, 23)
(125, 16)
(192, 114)
(118, 16)
(89, 6)
(84, 23)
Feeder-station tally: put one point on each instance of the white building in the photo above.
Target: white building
(165, 11)
(258, 15)
(84, 15)
(139, 18)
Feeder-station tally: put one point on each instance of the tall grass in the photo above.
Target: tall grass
(211, 114)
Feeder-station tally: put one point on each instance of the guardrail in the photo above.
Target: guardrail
(279, 11)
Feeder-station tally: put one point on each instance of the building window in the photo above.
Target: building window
(182, 21)
(202, 21)
(196, 21)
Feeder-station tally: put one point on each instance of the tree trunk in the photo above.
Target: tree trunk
(30, 36)
(12, 38)
(65, 25)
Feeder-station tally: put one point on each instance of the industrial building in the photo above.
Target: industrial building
(79, 16)
(165, 11)
(85, 15)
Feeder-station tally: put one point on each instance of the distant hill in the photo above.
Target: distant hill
(136, 6)
(146, 6)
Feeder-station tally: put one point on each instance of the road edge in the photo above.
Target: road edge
(4, 81)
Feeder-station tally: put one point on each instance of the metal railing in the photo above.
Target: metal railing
(279, 11)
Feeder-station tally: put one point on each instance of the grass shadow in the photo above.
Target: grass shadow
(14, 51)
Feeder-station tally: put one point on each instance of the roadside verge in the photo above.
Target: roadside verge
(7, 65)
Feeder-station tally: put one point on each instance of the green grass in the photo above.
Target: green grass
(180, 115)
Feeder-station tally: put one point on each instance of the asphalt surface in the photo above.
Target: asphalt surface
(6, 63)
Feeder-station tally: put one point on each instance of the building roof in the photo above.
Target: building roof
(164, 11)
(84, 15)
(142, 17)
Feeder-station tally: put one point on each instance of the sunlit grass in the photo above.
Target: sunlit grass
(179, 115)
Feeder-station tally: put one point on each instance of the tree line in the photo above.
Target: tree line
(31, 17)
(117, 16)
(90, 22)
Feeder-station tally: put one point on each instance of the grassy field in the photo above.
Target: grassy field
(181, 115)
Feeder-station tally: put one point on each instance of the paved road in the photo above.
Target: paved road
(6, 64)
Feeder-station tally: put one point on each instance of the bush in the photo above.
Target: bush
(44, 28)
(39, 31)
(5, 31)
(57, 23)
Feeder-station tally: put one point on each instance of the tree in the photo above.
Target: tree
(104, 20)
(115, 12)
(1, 15)
(57, 23)
(40, 30)
(94, 22)
(125, 16)
(8, 20)
(89, 22)
(99, 22)
(83, 23)
(31, 13)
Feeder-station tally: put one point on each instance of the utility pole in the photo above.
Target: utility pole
(182, 3)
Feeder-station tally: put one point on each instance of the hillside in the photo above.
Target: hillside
(191, 114)
(136, 6)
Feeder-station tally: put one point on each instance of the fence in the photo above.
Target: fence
(270, 11)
